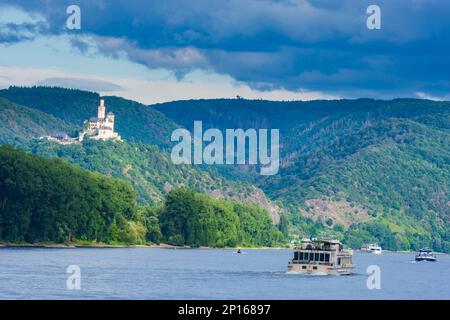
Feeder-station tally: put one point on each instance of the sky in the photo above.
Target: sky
(164, 50)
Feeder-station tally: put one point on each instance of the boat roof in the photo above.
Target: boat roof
(321, 241)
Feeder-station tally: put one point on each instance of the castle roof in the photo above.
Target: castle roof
(95, 119)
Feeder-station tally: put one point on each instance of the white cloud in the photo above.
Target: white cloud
(80, 83)
(423, 95)
(195, 85)
(10, 14)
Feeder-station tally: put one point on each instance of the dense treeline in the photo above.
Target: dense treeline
(49, 200)
(400, 234)
(189, 218)
(380, 232)
(52, 201)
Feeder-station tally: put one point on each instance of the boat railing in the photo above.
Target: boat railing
(315, 263)
(317, 249)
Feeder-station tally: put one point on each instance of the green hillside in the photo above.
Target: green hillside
(147, 167)
(150, 171)
(350, 164)
(137, 122)
(362, 170)
(18, 124)
(399, 178)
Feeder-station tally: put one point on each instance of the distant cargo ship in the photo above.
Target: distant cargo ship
(321, 257)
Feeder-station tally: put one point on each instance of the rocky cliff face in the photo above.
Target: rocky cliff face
(332, 212)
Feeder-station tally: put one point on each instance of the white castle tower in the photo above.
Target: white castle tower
(101, 109)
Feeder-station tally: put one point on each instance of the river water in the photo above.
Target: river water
(153, 273)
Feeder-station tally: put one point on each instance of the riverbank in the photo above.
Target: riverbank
(83, 245)
(73, 245)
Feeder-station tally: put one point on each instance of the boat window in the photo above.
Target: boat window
(306, 256)
(314, 268)
(327, 257)
(303, 267)
(295, 255)
(339, 261)
(301, 256)
(316, 257)
(322, 257)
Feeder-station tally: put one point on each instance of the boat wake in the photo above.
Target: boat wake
(307, 274)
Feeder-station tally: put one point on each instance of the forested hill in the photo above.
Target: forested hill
(236, 113)
(137, 121)
(18, 123)
(50, 201)
(146, 166)
(150, 171)
(380, 167)
(364, 170)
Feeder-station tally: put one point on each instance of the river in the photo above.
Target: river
(154, 273)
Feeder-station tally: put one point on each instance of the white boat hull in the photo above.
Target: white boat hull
(432, 259)
(319, 269)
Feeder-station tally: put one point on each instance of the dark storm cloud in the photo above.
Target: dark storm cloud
(320, 45)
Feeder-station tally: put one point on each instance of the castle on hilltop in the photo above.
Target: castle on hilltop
(100, 127)
(97, 128)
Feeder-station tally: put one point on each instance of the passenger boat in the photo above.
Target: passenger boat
(425, 254)
(372, 248)
(321, 257)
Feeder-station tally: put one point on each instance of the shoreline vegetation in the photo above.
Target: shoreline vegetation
(75, 245)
